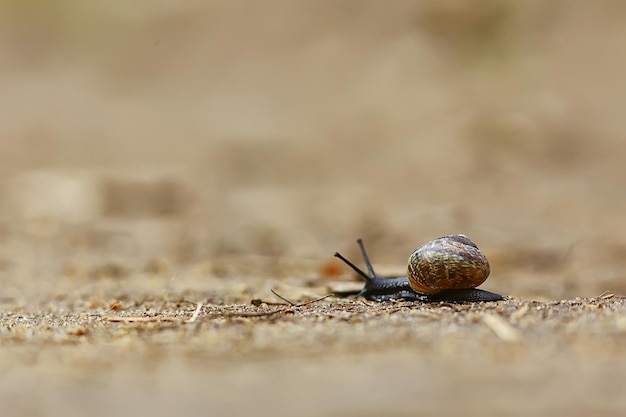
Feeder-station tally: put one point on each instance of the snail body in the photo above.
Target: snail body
(445, 269)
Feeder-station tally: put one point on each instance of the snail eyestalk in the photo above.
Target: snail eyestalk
(370, 268)
(353, 266)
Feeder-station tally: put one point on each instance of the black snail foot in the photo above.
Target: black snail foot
(401, 292)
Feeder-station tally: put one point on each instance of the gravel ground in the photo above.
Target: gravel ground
(108, 350)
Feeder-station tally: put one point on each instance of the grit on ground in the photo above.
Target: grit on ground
(174, 180)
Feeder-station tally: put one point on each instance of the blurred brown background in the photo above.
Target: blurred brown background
(161, 150)
(193, 130)
(199, 129)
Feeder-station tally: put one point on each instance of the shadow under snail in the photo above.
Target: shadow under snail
(445, 269)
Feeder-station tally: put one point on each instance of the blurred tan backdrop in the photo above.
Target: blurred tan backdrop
(177, 133)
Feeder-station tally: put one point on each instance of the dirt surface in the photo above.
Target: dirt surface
(165, 167)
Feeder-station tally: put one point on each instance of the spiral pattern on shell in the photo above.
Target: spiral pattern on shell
(450, 262)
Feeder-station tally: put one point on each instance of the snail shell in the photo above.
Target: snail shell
(450, 262)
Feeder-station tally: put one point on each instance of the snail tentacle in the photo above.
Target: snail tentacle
(366, 258)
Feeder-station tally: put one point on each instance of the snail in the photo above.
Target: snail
(445, 269)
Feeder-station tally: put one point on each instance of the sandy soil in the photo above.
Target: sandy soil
(165, 167)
